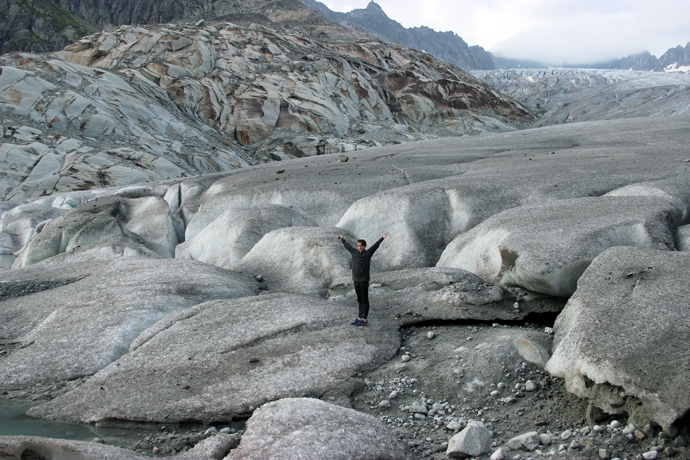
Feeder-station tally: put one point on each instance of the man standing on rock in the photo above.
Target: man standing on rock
(361, 259)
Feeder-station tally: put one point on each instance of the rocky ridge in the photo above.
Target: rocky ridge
(447, 46)
(140, 104)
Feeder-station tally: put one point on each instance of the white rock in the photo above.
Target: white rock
(567, 434)
(498, 455)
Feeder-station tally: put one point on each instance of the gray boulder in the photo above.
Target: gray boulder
(545, 248)
(626, 325)
(311, 428)
(302, 260)
(226, 240)
(73, 327)
(222, 359)
(473, 441)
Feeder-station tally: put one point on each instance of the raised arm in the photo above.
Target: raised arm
(346, 244)
(376, 245)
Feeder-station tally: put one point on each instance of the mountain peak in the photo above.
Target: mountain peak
(373, 6)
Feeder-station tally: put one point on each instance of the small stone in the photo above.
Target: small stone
(225, 430)
(566, 435)
(498, 455)
(529, 441)
(516, 305)
(343, 158)
(597, 428)
(548, 330)
(400, 367)
(210, 431)
(630, 429)
(155, 450)
(509, 400)
(200, 23)
(574, 445)
(418, 409)
(651, 455)
(670, 452)
(639, 435)
(253, 359)
(648, 431)
(430, 335)
(393, 395)
(585, 431)
(617, 402)
(604, 454)
(420, 416)
(680, 441)
(494, 393)
(405, 358)
(545, 439)
(615, 424)
(455, 426)
(671, 431)
(385, 404)
(530, 386)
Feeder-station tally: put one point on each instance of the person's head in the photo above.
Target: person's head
(361, 245)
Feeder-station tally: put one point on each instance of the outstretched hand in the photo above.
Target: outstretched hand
(340, 237)
(385, 235)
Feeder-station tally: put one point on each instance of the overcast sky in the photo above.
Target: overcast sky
(551, 31)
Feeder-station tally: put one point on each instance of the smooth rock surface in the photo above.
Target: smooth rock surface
(634, 294)
(73, 328)
(311, 428)
(304, 346)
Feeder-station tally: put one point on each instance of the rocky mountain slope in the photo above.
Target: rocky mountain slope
(571, 95)
(134, 104)
(444, 45)
(210, 299)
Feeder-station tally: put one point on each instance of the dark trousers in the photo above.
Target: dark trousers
(362, 291)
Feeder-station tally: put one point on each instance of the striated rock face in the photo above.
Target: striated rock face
(138, 104)
(249, 81)
(40, 25)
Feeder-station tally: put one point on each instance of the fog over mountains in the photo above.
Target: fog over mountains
(452, 48)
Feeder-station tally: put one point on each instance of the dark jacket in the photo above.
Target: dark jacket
(361, 260)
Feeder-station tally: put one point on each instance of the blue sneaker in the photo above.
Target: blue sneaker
(363, 322)
(357, 322)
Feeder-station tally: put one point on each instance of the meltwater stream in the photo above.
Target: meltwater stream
(15, 422)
